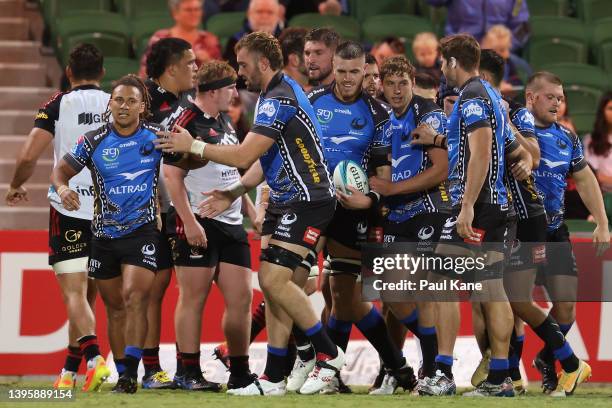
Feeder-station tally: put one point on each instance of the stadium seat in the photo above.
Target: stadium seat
(362, 9)
(592, 10)
(144, 26)
(134, 8)
(437, 16)
(542, 51)
(583, 85)
(583, 121)
(224, 25)
(109, 31)
(52, 9)
(116, 68)
(560, 27)
(557, 8)
(347, 27)
(601, 42)
(377, 28)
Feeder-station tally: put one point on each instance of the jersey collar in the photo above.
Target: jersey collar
(276, 79)
(469, 81)
(84, 87)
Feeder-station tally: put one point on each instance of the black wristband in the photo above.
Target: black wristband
(434, 141)
(375, 197)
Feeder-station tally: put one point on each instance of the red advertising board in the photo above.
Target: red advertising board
(33, 324)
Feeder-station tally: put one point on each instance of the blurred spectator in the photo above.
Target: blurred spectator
(295, 7)
(262, 15)
(212, 7)
(499, 39)
(292, 45)
(425, 85)
(371, 80)
(425, 50)
(388, 47)
(563, 114)
(239, 118)
(598, 143)
(187, 15)
(475, 17)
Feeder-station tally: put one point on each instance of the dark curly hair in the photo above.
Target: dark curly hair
(86, 62)
(138, 83)
(164, 53)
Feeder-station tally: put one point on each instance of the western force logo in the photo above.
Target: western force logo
(289, 219)
(425, 233)
(450, 222)
(148, 250)
(527, 118)
(110, 154)
(561, 144)
(473, 108)
(146, 149)
(358, 123)
(362, 227)
(324, 116)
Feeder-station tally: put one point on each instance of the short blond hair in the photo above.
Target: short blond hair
(499, 32)
(424, 39)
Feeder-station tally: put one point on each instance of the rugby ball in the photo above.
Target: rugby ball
(349, 173)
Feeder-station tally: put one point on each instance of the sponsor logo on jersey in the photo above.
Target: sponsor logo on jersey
(194, 253)
(128, 144)
(312, 166)
(267, 111)
(72, 235)
(345, 111)
(148, 250)
(425, 233)
(358, 123)
(132, 176)
(85, 191)
(146, 149)
(473, 108)
(324, 115)
(289, 218)
(128, 189)
(396, 162)
(362, 227)
(527, 118)
(450, 222)
(434, 122)
(94, 264)
(561, 144)
(42, 115)
(553, 164)
(311, 235)
(341, 139)
(164, 107)
(89, 118)
(110, 154)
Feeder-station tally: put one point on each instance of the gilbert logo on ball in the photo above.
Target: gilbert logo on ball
(349, 173)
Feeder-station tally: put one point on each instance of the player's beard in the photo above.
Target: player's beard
(315, 81)
(254, 83)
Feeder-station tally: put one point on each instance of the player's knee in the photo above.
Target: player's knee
(136, 298)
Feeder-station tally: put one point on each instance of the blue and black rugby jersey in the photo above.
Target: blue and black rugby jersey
(351, 130)
(526, 201)
(294, 167)
(478, 105)
(560, 155)
(408, 160)
(125, 171)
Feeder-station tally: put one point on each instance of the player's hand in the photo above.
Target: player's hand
(15, 195)
(423, 135)
(178, 141)
(195, 234)
(464, 223)
(70, 200)
(601, 239)
(521, 170)
(216, 202)
(382, 186)
(354, 201)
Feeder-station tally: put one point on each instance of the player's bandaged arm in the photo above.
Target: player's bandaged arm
(480, 141)
(241, 156)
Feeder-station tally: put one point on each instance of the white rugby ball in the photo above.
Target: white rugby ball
(349, 173)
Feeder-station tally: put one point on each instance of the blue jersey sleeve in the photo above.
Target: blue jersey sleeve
(578, 161)
(272, 116)
(524, 122)
(476, 113)
(80, 154)
(510, 142)
(435, 119)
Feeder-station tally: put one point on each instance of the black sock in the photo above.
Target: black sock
(150, 360)
(133, 355)
(239, 366)
(445, 364)
(304, 349)
(179, 362)
(429, 349)
(374, 329)
(89, 346)
(73, 359)
(258, 320)
(556, 346)
(498, 370)
(275, 364)
(191, 364)
(339, 331)
(514, 357)
(321, 341)
(291, 356)
(412, 322)
(120, 365)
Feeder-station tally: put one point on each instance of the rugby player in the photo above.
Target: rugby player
(319, 48)
(292, 46)
(561, 155)
(285, 139)
(210, 248)
(171, 67)
(371, 79)
(123, 251)
(60, 121)
(476, 136)
(354, 126)
(414, 193)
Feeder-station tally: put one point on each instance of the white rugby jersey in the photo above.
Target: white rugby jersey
(68, 116)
